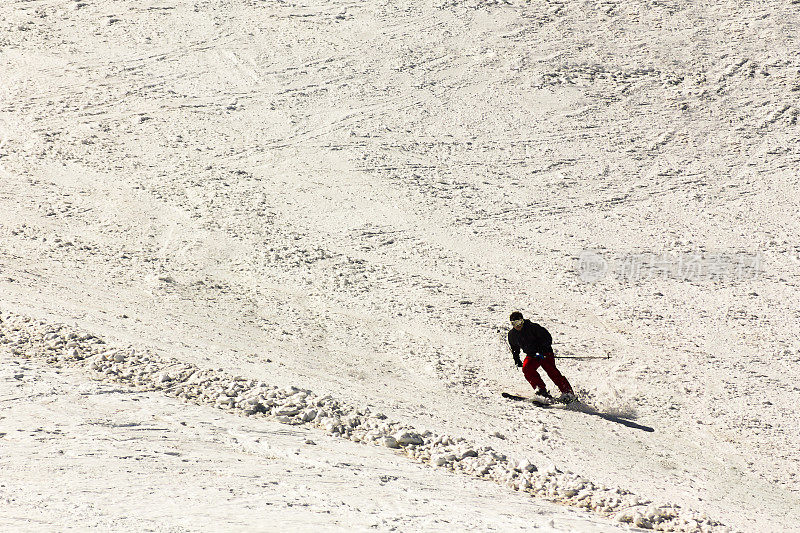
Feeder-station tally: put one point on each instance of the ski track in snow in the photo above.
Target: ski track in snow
(350, 198)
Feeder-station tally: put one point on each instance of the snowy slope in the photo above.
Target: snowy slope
(351, 198)
(93, 455)
(75, 440)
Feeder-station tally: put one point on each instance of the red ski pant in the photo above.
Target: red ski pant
(548, 362)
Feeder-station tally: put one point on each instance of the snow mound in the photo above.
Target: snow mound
(61, 346)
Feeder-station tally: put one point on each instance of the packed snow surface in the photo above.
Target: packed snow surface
(243, 225)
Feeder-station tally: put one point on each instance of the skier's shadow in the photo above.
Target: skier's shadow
(583, 408)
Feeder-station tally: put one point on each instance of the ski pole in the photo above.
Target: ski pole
(583, 356)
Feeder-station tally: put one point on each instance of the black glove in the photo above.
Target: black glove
(517, 361)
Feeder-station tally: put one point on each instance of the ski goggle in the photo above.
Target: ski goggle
(518, 322)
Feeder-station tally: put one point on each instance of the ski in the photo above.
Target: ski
(535, 400)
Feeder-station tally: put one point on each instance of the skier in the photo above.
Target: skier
(536, 342)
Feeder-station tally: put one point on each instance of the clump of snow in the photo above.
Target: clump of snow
(60, 346)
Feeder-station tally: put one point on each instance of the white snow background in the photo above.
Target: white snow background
(256, 259)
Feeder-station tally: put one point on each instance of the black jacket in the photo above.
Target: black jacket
(532, 339)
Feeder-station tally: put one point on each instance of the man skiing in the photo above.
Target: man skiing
(536, 342)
